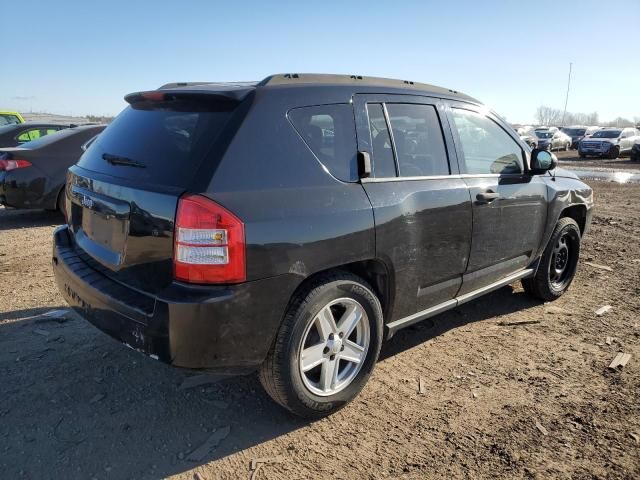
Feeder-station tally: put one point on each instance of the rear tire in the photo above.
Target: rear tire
(558, 264)
(60, 203)
(326, 379)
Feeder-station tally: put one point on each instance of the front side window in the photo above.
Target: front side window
(329, 131)
(487, 148)
(384, 164)
(418, 140)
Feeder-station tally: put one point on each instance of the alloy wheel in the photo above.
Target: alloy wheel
(334, 347)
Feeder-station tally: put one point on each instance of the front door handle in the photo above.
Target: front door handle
(487, 197)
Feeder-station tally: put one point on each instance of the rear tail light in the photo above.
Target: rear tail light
(209, 243)
(8, 165)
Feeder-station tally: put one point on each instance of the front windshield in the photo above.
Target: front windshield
(544, 134)
(575, 132)
(607, 134)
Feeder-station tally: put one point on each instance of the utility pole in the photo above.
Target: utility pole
(566, 99)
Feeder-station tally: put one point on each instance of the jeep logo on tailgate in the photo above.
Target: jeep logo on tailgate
(86, 201)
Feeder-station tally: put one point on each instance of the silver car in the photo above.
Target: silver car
(549, 139)
(609, 142)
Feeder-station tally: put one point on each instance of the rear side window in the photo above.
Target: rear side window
(32, 134)
(330, 132)
(418, 139)
(8, 120)
(167, 140)
(384, 164)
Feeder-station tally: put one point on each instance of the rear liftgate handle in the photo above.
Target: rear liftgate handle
(487, 197)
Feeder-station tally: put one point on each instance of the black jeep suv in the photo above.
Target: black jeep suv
(288, 226)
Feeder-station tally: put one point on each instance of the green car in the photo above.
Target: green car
(9, 118)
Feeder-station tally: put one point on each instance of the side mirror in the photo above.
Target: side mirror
(542, 161)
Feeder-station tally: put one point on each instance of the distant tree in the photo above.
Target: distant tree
(620, 122)
(548, 116)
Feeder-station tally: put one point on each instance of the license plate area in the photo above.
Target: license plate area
(100, 226)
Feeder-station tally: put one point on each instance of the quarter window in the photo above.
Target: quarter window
(330, 132)
(384, 164)
(487, 148)
(418, 140)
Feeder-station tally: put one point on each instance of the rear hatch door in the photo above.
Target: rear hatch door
(124, 190)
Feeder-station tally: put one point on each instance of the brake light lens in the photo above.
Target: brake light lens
(209, 245)
(8, 165)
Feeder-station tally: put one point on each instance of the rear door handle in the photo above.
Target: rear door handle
(487, 197)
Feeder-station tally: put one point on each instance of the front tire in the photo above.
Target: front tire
(614, 153)
(558, 264)
(326, 348)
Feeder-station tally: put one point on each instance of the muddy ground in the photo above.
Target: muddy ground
(501, 399)
(571, 159)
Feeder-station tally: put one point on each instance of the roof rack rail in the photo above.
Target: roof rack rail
(353, 79)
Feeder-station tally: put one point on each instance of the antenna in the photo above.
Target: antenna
(566, 99)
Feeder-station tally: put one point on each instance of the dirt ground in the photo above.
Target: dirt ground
(500, 399)
(571, 159)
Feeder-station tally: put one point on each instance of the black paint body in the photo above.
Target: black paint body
(39, 185)
(419, 241)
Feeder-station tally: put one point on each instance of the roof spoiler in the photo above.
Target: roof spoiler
(224, 92)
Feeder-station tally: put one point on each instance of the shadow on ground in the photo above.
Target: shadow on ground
(10, 219)
(76, 404)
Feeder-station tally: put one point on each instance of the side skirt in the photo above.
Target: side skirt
(396, 325)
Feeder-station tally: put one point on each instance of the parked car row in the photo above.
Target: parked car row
(545, 138)
(32, 173)
(606, 142)
(577, 133)
(609, 142)
(290, 225)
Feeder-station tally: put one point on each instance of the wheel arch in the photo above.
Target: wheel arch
(578, 213)
(373, 271)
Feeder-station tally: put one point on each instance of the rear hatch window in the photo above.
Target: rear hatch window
(159, 142)
(125, 189)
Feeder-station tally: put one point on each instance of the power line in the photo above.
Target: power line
(566, 99)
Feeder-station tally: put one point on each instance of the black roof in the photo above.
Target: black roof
(238, 90)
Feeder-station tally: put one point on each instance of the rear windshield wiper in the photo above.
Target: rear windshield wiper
(118, 160)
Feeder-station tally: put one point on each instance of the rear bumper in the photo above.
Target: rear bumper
(222, 328)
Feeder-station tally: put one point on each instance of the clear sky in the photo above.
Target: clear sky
(81, 57)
